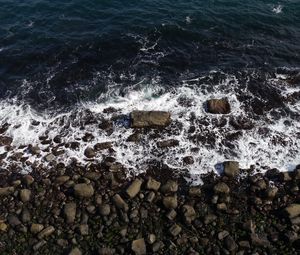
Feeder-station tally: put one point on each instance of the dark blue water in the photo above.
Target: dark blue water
(56, 53)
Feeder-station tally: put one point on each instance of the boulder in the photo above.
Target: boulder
(169, 187)
(138, 246)
(168, 143)
(221, 187)
(134, 188)
(231, 168)
(102, 146)
(152, 184)
(150, 119)
(89, 152)
(170, 202)
(218, 106)
(83, 190)
(292, 210)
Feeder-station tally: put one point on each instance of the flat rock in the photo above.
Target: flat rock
(84, 190)
(150, 119)
(218, 106)
(138, 246)
(134, 188)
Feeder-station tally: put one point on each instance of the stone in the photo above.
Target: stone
(6, 191)
(150, 197)
(135, 137)
(170, 202)
(292, 210)
(28, 179)
(195, 192)
(3, 227)
(36, 228)
(221, 187)
(25, 195)
(94, 176)
(5, 140)
(134, 188)
(103, 146)
(231, 168)
(188, 160)
(230, 243)
(84, 229)
(150, 119)
(83, 190)
(285, 176)
(271, 192)
(26, 217)
(222, 207)
(46, 232)
(62, 179)
(104, 209)
(259, 241)
(168, 143)
(106, 251)
(70, 212)
(152, 184)
(158, 245)
(89, 152)
(13, 220)
(218, 106)
(244, 244)
(169, 187)
(120, 203)
(209, 218)
(151, 238)
(175, 230)
(172, 214)
(249, 226)
(75, 251)
(189, 213)
(223, 234)
(49, 157)
(39, 244)
(138, 246)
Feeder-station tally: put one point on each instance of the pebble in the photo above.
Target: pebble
(36, 228)
(70, 212)
(169, 187)
(221, 187)
(46, 232)
(152, 184)
(25, 195)
(134, 188)
(175, 230)
(170, 202)
(138, 246)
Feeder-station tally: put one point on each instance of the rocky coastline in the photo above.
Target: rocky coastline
(95, 208)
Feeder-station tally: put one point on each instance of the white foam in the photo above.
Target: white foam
(277, 9)
(279, 148)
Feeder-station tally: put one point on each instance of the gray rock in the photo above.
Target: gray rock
(139, 247)
(84, 190)
(151, 119)
(175, 230)
(231, 168)
(218, 106)
(170, 202)
(25, 195)
(152, 184)
(293, 210)
(70, 212)
(221, 187)
(89, 152)
(6, 191)
(169, 187)
(46, 232)
(36, 228)
(104, 209)
(120, 203)
(134, 188)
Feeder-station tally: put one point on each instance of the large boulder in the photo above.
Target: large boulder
(150, 119)
(218, 106)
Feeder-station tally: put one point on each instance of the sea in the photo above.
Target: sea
(62, 62)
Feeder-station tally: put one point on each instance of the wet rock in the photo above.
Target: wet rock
(46, 232)
(49, 157)
(218, 106)
(70, 212)
(168, 143)
(170, 202)
(135, 138)
(119, 202)
(25, 195)
(134, 188)
(240, 123)
(152, 184)
(195, 192)
(5, 140)
(189, 213)
(188, 160)
(102, 146)
(139, 247)
(28, 179)
(62, 179)
(150, 119)
(36, 228)
(292, 210)
(170, 187)
(175, 230)
(271, 192)
(84, 190)
(89, 152)
(75, 251)
(231, 168)
(104, 209)
(6, 191)
(13, 220)
(221, 187)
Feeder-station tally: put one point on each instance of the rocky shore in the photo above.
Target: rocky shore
(94, 208)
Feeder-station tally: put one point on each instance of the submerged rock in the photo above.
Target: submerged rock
(89, 152)
(150, 119)
(218, 106)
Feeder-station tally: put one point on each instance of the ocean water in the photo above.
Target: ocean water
(63, 60)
